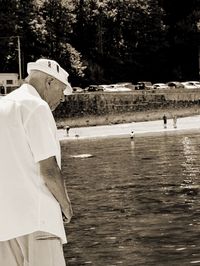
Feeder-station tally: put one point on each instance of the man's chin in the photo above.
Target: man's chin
(53, 108)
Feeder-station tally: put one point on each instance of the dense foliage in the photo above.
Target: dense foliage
(104, 41)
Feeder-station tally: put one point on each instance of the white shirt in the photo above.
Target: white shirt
(28, 135)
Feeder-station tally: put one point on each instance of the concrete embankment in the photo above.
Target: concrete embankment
(98, 104)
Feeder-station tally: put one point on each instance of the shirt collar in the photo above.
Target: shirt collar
(30, 89)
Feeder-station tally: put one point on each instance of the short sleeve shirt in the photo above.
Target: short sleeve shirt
(28, 135)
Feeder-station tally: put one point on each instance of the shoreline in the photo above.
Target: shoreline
(189, 124)
(126, 117)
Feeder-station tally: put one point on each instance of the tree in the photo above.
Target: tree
(182, 35)
(119, 38)
(8, 43)
(57, 19)
(26, 15)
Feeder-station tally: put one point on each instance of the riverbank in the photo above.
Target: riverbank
(184, 124)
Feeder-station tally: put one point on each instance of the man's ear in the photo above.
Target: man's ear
(48, 82)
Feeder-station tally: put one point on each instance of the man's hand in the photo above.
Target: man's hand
(67, 213)
(55, 182)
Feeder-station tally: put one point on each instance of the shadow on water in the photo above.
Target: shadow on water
(135, 202)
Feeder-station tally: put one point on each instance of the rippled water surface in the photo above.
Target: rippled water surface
(135, 202)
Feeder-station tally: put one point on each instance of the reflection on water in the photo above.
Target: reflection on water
(135, 202)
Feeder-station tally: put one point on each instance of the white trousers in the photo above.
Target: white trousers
(36, 249)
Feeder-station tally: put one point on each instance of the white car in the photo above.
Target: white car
(115, 88)
(195, 83)
(160, 86)
(121, 88)
(189, 85)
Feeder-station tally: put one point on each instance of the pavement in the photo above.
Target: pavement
(185, 124)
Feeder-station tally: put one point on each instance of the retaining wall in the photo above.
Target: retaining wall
(82, 104)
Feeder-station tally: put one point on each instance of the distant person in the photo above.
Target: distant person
(34, 200)
(175, 121)
(165, 121)
(67, 128)
(132, 135)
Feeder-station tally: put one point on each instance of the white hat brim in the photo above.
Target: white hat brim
(35, 66)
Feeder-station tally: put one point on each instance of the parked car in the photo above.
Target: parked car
(115, 88)
(77, 90)
(128, 85)
(144, 85)
(175, 85)
(188, 85)
(93, 88)
(103, 87)
(122, 87)
(160, 86)
(109, 88)
(195, 83)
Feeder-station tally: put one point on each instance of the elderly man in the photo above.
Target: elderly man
(33, 199)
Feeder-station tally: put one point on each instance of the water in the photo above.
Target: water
(135, 203)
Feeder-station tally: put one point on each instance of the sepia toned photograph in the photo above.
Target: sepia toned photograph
(99, 132)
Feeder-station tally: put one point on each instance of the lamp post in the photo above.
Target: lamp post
(19, 59)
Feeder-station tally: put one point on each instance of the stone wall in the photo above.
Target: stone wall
(77, 105)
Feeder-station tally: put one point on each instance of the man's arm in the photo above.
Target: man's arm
(55, 182)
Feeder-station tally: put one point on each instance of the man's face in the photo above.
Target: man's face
(54, 94)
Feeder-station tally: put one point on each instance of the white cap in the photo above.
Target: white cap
(51, 68)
